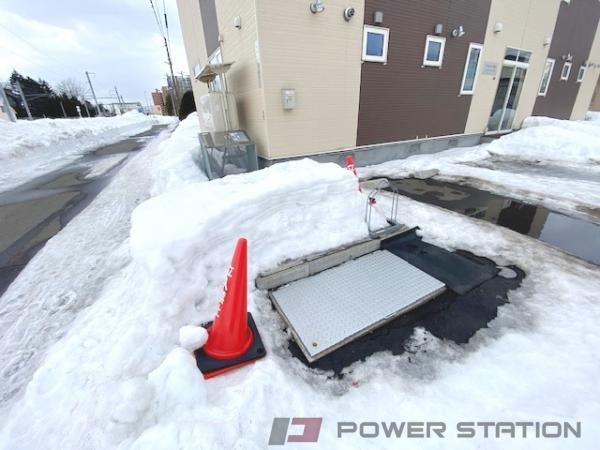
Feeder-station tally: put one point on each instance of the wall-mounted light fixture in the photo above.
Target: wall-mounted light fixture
(349, 13)
(498, 27)
(317, 7)
(547, 41)
(237, 22)
(378, 17)
(438, 29)
(458, 32)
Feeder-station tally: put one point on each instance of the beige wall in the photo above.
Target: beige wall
(193, 38)
(526, 24)
(318, 55)
(595, 105)
(589, 85)
(244, 79)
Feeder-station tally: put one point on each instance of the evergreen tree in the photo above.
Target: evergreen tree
(43, 101)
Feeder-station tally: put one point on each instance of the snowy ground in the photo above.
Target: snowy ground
(554, 163)
(119, 379)
(31, 148)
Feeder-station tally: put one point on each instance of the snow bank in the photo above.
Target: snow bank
(119, 378)
(175, 165)
(556, 144)
(544, 138)
(28, 148)
(593, 116)
(285, 211)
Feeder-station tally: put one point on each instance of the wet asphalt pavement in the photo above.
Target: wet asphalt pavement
(35, 211)
(572, 235)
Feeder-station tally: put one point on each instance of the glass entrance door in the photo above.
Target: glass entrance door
(509, 90)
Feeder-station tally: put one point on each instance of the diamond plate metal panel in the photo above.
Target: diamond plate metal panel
(338, 305)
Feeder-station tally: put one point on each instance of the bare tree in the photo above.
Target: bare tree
(72, 88)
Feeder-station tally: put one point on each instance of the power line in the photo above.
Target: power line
(175, 94)
(40, 52)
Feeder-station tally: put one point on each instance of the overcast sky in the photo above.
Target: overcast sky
(118, 40)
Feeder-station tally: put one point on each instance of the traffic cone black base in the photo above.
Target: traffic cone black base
(211, 367)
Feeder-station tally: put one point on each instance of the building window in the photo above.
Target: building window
(581, 74)
(471, 69)
(375, 44)
(546, 77)
(517, 55)
(434, 51)
(566, 71)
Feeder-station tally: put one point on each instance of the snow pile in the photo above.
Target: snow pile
(32, 147)
(175, 165)
(285, 211)
(120, 377)
(507, 166)
(543, 138)
(593, 116)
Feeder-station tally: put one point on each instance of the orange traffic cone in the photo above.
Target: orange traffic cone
(351, 167)
(233, 339)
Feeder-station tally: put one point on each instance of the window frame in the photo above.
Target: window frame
(386, 38)
(431, 38)
(552, 62)
(581, 73)
(566, 77)
(463, 91)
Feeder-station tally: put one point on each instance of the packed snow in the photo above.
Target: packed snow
(31, 148)
(551, 162)
(123, 374)
(67, 273)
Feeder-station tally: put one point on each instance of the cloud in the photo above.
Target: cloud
(117, 40)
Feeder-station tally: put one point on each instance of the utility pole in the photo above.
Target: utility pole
(119, 100)
(7, 108)
(173, 94)
(176, 96)
(87, 74)
(147, 102)
(63, 110)
(20, 89)
(86, 108)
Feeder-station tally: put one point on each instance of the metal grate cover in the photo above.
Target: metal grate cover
(338, 305)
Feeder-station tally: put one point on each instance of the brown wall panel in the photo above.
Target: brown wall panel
(210, 25)
(401, 99)
(574, 34)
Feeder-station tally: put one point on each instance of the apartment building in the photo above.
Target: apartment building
(384, 79)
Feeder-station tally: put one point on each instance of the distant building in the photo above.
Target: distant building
(158, 102)
(182, 82)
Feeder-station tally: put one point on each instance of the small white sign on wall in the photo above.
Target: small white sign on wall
(489, 68)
